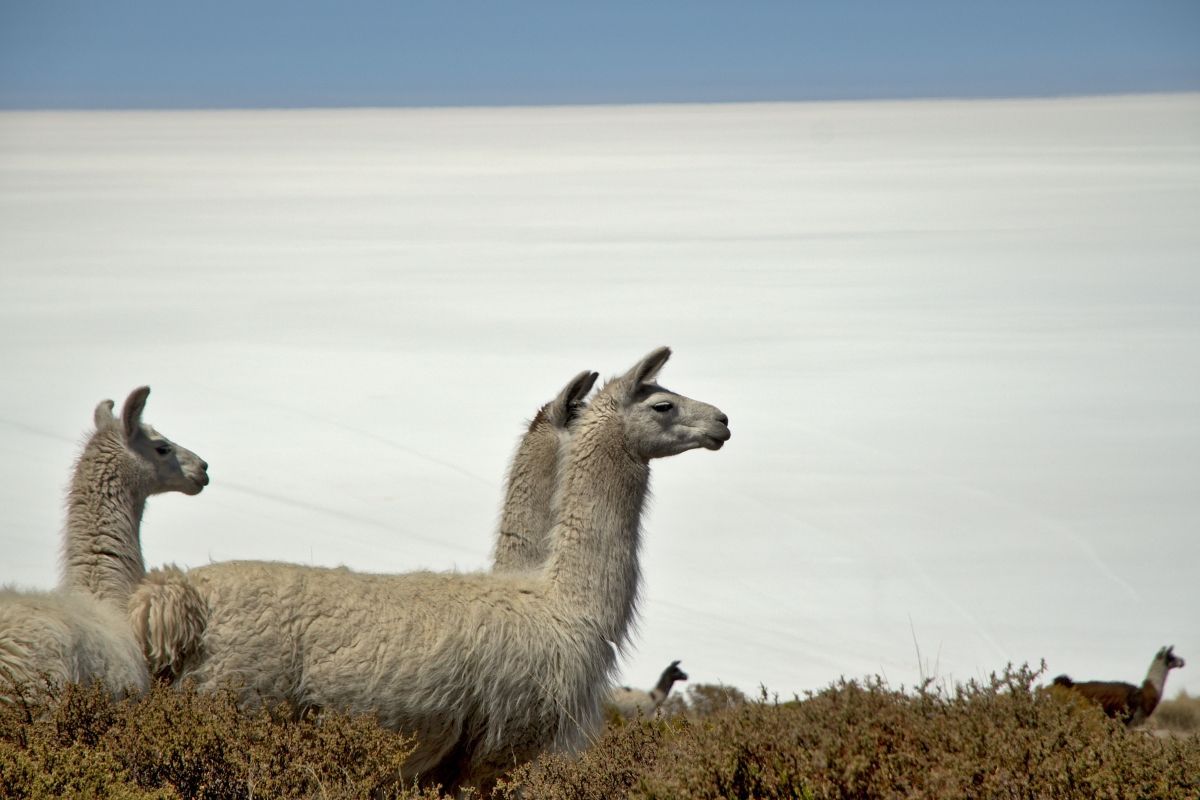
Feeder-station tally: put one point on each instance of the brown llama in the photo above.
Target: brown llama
(1124, 701)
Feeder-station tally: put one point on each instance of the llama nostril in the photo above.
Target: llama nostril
(723, 419)
(204, 466)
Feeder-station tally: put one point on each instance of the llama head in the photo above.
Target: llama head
(674, 673)
(1168, 657)
(163, 465)
(657, 421)
(567, 405)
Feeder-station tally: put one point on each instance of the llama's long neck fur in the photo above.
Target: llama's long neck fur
(527, 516)
(596, 536)
(662, 688)
(1156, 681)
(102, 551)
(1156, 676)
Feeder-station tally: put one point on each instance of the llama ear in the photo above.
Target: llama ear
(103, 416)
(565, 406)
(647, 369)
(131, 414)
(579, 386)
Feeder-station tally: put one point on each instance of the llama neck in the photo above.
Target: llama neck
(662, 688)
(596, 536)
(102, 553)
(1156, 678)
(527, 517)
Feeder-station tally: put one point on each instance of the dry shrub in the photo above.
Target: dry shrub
(699, 700)
(1001, 738)
(997, 739)
(1180, 716)
(703, 700)
(180, 744)
(675, 705)
(612, 768)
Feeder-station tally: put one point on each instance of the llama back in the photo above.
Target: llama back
(385, 644)
(249, 639)
(465, 646)
(629, 702)
(64, 637)
(1117, 698)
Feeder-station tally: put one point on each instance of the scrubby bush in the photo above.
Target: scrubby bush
(702, 700)
(180, 744)
(1001, 738)
(1180, 717)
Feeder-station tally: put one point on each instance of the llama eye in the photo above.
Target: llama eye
(163, 449)
(663, 407)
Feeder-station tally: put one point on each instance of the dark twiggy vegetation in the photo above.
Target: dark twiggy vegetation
(180, 744)
(1178, 717)
(1002, 738)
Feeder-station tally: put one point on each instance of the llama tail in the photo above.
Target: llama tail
(169, 618)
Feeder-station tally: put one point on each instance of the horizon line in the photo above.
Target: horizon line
(998, 97)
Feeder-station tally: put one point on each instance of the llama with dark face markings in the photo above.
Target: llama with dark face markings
(630, 702)
(81, 631)
(1124, 701)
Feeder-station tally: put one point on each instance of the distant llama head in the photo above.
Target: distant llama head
(658, 422)
(674, 673)
(1168, 657)
(160, 464)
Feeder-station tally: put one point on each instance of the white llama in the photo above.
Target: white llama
(80, 631)
(169, 617)
(523, 539)
(487, 670)
(629, 703)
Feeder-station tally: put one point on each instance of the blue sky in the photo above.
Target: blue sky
(286, 53)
